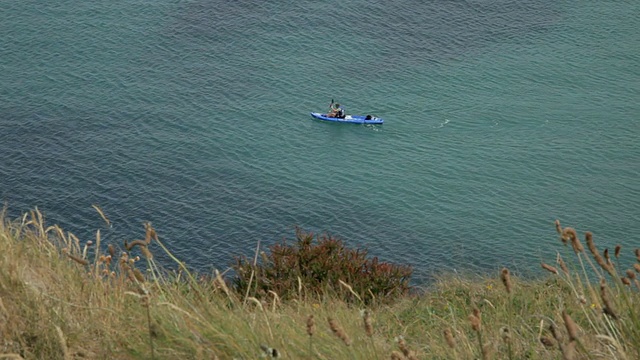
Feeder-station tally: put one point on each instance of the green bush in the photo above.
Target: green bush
(314, 269)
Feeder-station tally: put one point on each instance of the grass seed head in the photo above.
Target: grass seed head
(555, 333)
(408, 353)
(582, 299)
(138, 275)
(150, 233)
(486, 351)
(475, 323)
(605, 265)
(559, 230)
(506, 279)
(608, 307)
(448, 336)
(476, 313)
(568, 350)
(311, 325)
(505, 334)
(562, 264)
(569, 234)
(549, 268)
(572, 328)
(590, 245)
(339, 331)
(133, 244)
(547, 342)
(616, 252)
(78, 259)
(368, 326)
(146, 253)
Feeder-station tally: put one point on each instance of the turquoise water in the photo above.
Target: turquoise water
(500, 117)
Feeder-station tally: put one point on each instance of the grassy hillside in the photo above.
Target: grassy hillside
(63, 298)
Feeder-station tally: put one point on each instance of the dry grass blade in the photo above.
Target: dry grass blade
(60, 234)
(221, 283)
(559, 228)
(63, 344)
(97, 253)
(76, 241)
(276, 299)
(253, 271)
(344, 284)
(256, 302)
(104, 217)
(174, 307)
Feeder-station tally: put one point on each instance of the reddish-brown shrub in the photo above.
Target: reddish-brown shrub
(319, 265)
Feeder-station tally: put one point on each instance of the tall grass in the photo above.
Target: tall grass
(60, 300)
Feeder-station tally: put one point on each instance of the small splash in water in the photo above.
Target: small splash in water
(442, 124)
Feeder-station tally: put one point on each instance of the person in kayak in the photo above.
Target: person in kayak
(336, 111)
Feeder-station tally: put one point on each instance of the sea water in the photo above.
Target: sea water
(500, 117)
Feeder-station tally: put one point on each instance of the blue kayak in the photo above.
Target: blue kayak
(352, 119)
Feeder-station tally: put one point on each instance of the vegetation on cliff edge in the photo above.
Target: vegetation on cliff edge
(66, 298)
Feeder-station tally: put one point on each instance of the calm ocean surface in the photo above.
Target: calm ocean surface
(500, 117)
